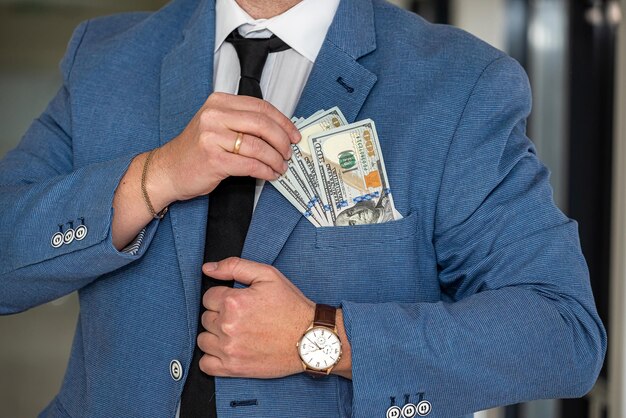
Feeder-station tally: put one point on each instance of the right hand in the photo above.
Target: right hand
(197, 160)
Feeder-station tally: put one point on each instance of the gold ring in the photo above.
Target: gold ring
(238, 142)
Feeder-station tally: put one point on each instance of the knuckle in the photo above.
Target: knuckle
(267, 108)
(228, 328)
(271, 270)
(207, 142)
(233, 260)
(205, 117)
(231, 302)
(256, 146)
(230, 263)
(208, 116)
(237, 265)
(285, 145)
(267, 173)
(260, 122)
(263, 107)
(217, 96)
(277, 161)
(231, 350)
(252, 167)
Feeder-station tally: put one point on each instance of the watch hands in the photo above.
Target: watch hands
(314, 343)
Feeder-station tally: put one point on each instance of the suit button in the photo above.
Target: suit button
(423, 408)
(176, 370)
(394, 412)
(69, 236)
(80, 233)
(57, 240)
(409, 410)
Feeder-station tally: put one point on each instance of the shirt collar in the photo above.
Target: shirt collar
(303, 27)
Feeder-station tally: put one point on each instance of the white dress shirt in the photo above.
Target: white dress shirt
(303, 28)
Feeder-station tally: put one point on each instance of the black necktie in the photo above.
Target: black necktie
(252, 55)
(230, 212)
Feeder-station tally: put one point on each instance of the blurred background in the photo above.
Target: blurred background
(575, 55)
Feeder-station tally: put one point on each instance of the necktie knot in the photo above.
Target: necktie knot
(252, 54)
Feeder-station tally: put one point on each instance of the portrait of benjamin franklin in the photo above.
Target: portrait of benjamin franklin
(367, 212)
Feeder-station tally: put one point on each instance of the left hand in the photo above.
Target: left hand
(252, 332)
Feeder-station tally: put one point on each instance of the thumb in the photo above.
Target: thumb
(243, 271)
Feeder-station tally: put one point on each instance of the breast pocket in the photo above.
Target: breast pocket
(376, 263)
(375, 234)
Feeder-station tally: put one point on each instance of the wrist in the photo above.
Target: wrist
(344, 366)
(305, 319)
(158, 183)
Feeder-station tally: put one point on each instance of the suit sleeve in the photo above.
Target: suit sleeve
(41, 194)
(518, 321)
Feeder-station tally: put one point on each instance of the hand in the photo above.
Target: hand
(196, 161)
(252, 332)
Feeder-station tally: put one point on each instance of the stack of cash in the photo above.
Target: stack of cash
(337, 175)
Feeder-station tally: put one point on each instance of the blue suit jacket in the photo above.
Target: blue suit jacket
(478, 297)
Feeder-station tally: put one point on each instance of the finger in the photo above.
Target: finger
(210, 344)
(243, 271)
(209, 322)
(253, 104)
(213, 299)
(254, 147)
(242, 166)
(213, 366)
(261, 126)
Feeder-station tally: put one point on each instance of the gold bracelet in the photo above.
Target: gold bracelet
(144, 191)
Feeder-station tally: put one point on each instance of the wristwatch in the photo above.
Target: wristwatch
(320, 346)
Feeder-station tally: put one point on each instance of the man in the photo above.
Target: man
(478, 297)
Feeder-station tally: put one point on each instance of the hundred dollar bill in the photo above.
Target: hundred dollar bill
(294, 186)
(352, 177)
(299, 183)
(305, 120)
(319, 122)
(302, 154)
(291, 193)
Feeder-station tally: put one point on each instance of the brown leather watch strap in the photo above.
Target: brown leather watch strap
(315, 373)
(324, 316)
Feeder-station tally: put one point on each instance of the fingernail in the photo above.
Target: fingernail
(285, 166)
(296, 136)
(210, 266)
(277, 175)
(289, 153)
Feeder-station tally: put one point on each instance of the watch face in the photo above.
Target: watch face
(320, 348)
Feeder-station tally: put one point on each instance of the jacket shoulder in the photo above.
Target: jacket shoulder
(128, 37)
(101, 29)
(93, 36)
(413, 35)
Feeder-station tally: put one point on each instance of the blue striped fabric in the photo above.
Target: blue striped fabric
(133, 247)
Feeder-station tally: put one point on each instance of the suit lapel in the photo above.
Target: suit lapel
(186, 82)
(337, 79)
